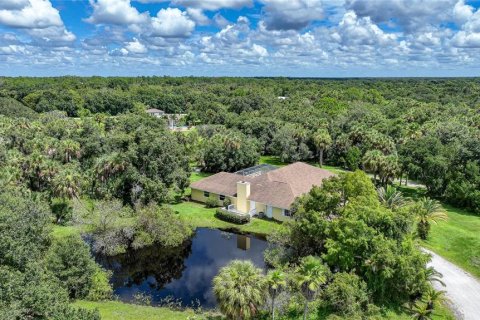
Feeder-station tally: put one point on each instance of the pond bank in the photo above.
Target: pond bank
(182, 275)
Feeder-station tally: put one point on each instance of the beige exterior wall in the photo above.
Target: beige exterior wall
(261, 207)
(277, 214)
(197, 195)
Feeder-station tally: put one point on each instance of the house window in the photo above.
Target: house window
(287, 213)
(206, 194)
(221, 197)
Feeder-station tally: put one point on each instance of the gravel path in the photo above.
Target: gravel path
(462, 289)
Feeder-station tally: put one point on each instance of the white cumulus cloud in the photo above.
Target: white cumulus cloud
(172, 22)
(291, 14)
(36, 14)
(136, 47)
(120, 12)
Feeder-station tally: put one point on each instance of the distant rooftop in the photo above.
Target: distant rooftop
(256, 171)
(153, 110)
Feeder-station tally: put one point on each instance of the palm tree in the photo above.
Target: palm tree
(421, 311)
(433, 275)
(240, 289)
(432, 297)
(371, 162)
(276, 282)
(70, 148)
(108, 166)
(388, 168)
(390, 197)
(429, 211)
(67, 185)
(309, 277)
(322, 140)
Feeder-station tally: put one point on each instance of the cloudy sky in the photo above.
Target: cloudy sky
(309, 38)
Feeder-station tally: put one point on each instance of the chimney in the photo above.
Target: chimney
(243, 193)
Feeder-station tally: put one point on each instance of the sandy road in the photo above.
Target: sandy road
(462, 289)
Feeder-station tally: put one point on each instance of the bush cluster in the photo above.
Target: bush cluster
(224, 215)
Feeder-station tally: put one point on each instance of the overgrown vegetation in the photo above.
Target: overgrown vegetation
(38, 276)
(345, 254)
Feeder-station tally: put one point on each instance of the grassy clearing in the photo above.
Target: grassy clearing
(457, 239)
(195, 176)
(59, 232)
(198, 216)
(115, 310)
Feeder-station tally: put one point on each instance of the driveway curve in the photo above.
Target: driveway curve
(462, 289)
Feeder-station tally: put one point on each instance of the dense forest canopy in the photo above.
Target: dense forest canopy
(422, 129)
(84, 153)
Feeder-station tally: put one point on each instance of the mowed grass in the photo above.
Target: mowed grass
(198, 216)
(116, 310)
(458, 239)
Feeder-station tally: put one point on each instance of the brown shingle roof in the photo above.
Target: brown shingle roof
(221, 183)
(278, 188)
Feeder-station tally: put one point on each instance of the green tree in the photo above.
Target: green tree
(428, 211)
(346, 295)
(309, 278)
(67, 184)
(421, 311)
(70, 260)
(390, 197)
(372, 161)
(322, 140)
(276, 281)
(159, 225)
(240, 289)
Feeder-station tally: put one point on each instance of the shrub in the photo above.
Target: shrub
(62, 210)
(70, 260)
(231, 217)
(211, 203)
(227, 202)
(100, 289)
(160, 225)
(346, 295)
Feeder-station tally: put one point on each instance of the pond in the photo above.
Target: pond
(185, 272)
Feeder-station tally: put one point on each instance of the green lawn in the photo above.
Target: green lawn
(64, 231)
(457, 239)
(200, 216)
(272, 160)
(195, 176)
(115, 310)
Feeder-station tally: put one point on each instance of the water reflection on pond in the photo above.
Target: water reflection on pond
(185, 272)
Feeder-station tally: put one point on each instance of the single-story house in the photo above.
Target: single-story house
(156, 112)
(271, 193)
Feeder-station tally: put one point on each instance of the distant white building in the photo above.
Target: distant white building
(282, 98)
(156, 112)
(172, 118)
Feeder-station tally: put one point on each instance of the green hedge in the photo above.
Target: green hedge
(224, 215)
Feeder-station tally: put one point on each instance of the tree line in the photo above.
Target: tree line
(420, 129)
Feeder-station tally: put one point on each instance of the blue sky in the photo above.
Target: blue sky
(300, 38)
